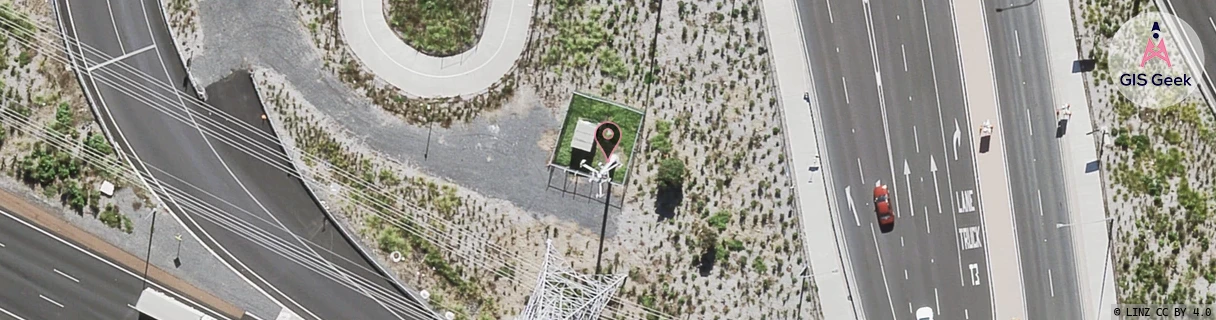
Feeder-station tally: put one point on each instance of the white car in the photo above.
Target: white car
(924, 313)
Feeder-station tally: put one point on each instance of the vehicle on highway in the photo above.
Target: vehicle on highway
(924, 313)
(882, 207)
(985, 136)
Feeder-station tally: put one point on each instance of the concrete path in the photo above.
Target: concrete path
(1004, 275)
(505, 34)
(1077, 150)
(819, 223)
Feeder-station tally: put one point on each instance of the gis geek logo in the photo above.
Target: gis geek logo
(1149, 60)
(1155, 51)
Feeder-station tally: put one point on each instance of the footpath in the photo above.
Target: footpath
(820, 226)
(1004, 272)
(503, 38)
(54, 224)
(1082, 176)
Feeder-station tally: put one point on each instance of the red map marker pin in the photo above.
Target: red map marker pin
(607, 135)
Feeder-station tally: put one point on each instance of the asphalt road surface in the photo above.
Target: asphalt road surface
(1201, 15)
(1039, 197)
(201, 176)
(46, 278)
(903, 137)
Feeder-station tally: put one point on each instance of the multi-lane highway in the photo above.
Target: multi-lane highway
(1201, 16)
(48, 277)
(889, 87)
(259, 220)
(1036, 175)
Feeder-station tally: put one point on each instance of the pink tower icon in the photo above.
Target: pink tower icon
(1157, 51)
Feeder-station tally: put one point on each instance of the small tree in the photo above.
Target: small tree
(671, 173)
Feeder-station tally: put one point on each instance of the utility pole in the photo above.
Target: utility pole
(603, 227)
(148, 256)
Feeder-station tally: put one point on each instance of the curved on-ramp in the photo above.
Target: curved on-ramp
(505, 33)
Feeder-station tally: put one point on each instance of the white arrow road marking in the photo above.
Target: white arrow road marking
(849, 197)
(958, 136)
(937, 194)
(908, 183)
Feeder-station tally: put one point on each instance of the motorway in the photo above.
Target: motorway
(247, 211)
(1036, 176)
(47, 277)
(900, 131)
(1201, 15)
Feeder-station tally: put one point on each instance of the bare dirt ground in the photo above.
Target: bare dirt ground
(1158, 179)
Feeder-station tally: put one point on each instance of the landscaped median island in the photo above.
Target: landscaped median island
(51, 147)
(1158, 175)
(437, 27)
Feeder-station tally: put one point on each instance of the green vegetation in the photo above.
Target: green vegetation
(671, 173)
(111, 217)
(597, 110)
(661, 141)
(16, 23)
(437, 27)
(720, 220)
(577, 39)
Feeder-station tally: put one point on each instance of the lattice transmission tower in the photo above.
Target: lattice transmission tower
(562, 293)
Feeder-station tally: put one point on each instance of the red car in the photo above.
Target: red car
(882, 207)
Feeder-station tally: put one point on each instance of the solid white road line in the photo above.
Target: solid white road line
(1051, 283)
(937, 303)
(905, 56)
(1028, 123)
(51, 301)
(255, 317)
(861, 171)
(830, 18)
(883, 268)
(916, 136)
(1018, 41)
(1040, 195)
(846, 89)
(11, 314)
(65, 275)
(119, 58)
(117, 35)
(928, 227)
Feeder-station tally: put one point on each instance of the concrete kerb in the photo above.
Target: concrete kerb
(198, 89)
(842, 253)
(339, 224)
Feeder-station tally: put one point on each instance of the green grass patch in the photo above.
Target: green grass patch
(437, 27)
(598, 110)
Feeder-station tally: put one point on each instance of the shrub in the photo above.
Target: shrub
(671, 173)
(111, 217)
(720, 220)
